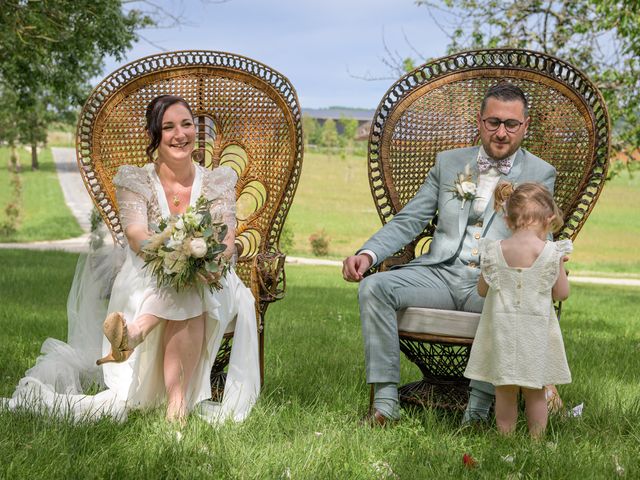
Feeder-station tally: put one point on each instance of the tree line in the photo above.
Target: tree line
(327, 134)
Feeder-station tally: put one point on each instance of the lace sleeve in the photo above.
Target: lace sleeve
(132, 195)
(488, 262)
(219, 186)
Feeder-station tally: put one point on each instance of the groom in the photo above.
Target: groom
(445, 277)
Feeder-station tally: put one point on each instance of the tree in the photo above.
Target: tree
(349, 129)
(311, 130)
(50, 51)
(9, 130)
(601, 37)
(329, 134)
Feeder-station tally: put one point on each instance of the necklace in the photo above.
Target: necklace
(176, 200)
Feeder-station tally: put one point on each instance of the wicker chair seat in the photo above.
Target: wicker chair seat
(431, 321)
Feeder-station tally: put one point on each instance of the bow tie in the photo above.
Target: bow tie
(485, 163)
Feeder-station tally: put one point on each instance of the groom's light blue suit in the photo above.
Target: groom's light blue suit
(446, 276)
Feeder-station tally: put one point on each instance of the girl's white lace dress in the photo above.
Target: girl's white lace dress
(65, 371)
(518, 341)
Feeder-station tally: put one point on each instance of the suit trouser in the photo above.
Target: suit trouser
(449, 286)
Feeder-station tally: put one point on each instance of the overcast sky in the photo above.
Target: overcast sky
(318, 44)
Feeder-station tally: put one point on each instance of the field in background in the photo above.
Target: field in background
(305, 424)
(333, 195)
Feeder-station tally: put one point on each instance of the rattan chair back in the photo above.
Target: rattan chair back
(247, 116)
(434, 108)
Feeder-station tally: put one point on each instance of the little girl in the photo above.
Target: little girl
(518, 345)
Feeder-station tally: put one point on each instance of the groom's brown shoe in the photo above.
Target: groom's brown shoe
(376, 419)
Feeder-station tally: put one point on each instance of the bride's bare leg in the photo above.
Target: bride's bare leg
(124, 337)
(141, 327)
(182, 349)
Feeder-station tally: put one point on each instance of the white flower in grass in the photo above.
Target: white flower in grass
(619, 468)
(286, 473)
(198, 247)
(383, 470)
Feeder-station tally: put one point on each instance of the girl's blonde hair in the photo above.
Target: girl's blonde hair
(527, 204)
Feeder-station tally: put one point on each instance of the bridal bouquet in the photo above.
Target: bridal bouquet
(187, 247)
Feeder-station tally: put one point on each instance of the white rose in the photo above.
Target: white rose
(468, 188)
(198, 247)
(179, 225)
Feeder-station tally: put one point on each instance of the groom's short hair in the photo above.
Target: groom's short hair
(506, 92)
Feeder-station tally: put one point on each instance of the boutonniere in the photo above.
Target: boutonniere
(463, 187)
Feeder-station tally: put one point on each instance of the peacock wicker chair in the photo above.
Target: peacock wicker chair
(434, 108)
(247, 117)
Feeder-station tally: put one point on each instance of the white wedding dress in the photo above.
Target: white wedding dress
(66, 371)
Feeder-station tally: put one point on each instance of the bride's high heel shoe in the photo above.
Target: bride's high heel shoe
(115, 329)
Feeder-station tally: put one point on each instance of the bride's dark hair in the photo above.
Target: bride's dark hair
(154, 114)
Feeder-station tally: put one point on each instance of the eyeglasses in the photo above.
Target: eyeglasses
(511, 125)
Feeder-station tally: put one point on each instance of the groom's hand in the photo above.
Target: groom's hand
(353, 267)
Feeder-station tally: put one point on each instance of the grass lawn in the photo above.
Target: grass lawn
(306, 422)
(44, 214)
(334, 195)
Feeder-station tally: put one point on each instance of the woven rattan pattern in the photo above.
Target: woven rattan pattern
(248, 118)
(434, 108)
(237, 101)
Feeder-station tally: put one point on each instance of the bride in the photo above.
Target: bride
(159, 344)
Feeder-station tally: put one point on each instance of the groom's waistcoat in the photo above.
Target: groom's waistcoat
(435, 195)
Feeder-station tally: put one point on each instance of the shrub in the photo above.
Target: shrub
(286, 238)
(320, 243)
(9, 226)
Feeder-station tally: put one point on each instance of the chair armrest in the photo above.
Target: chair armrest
(268, 269)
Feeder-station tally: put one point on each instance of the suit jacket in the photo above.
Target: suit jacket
(435, 196)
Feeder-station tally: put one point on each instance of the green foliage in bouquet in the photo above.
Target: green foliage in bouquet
(187, 248)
